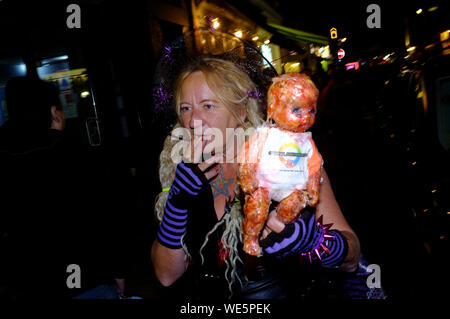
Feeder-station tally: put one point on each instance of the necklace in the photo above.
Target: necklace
(220, 185)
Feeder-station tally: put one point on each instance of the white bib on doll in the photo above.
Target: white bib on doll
(283, 162)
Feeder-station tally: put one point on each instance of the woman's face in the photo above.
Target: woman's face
(201, 110)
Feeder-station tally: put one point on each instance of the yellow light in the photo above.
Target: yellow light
(267, 41)
(255, 38)
(434, 191)
(238, 34)
(444, 35)
(84, 94)
(343, 39)
(411, 49)
(419, 11)
(413, 163)
(432, 9)
(216, 23)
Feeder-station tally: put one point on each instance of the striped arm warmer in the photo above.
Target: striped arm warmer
(309, 238)
(186, 185)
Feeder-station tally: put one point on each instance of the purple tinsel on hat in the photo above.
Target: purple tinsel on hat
(188, 47)
(161, 97)
(167, 56)
(254, 94)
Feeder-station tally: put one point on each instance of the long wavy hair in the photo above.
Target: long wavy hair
(231, 85)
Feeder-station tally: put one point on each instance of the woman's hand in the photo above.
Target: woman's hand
(188, 181)
(305, 235)
(167, 255)
(332, 214)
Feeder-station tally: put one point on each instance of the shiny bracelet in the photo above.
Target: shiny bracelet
(320, 248)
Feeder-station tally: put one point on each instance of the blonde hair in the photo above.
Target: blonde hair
(231, 86)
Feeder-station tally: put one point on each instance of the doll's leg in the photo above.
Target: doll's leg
(289, 208)
(256, 209)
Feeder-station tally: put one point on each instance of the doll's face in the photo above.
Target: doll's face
(292, 101)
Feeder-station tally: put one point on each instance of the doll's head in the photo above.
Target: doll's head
(292, 100)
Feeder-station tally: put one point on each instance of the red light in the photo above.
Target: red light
(352, 65)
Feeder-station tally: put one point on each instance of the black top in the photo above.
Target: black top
(207, 281)
(267, 278)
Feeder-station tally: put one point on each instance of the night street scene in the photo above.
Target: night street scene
(93, 206)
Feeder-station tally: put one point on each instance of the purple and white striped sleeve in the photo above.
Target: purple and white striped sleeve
(187, 183)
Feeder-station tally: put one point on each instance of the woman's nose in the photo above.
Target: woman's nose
(196, 119)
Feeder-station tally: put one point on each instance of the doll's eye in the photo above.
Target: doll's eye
(296, 110)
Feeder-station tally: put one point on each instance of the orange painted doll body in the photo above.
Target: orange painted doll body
(281, 162)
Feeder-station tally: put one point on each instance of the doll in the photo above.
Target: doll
(280, 162)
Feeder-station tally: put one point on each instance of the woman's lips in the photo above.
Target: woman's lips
(205, 139)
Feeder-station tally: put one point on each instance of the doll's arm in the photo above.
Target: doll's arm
(315, 171)
(313, 188)
(247, 177)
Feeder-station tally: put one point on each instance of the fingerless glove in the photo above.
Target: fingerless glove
(309, 239)
(186, 186)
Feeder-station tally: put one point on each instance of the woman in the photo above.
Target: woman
(200, 233)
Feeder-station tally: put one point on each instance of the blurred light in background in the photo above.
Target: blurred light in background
(432, 9)
(292, 67)
(267, 53)
(55, 59)
(352, 66)
(84, 94)
(267, 41)
(324, 64)
(419, 11)
(21, 69)
(255, 38)
(238, 34)
(410, 49)
(215, 23)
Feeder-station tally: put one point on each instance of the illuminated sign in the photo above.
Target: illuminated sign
(333, 33)
(352, 65)
(340, 54)
(445, 39)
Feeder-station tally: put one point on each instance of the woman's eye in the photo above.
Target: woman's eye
(208, 106)
(184, 108)
(296, 110)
